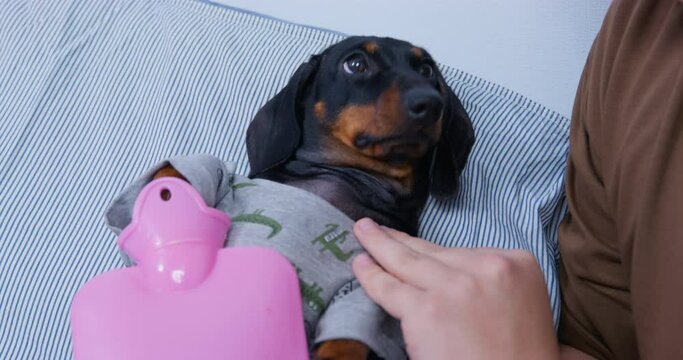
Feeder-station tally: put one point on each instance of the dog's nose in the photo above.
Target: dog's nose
(423, 104)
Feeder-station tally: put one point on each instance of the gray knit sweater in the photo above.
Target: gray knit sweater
(315, 236)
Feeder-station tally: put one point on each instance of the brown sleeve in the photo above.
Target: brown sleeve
(622, 245)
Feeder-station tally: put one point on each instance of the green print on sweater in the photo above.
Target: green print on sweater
(310, 293)
(242, 185)
(332, 245)
(257, 218)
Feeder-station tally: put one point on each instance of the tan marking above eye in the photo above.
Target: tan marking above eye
(320, 110)
(371, 47)
(417, 52)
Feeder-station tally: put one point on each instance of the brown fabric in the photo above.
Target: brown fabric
(622, 246)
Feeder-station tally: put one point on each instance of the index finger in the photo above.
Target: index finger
(417, 244)
(393, 295)
(401, 261)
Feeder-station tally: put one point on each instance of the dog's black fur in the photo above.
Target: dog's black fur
(369, 125)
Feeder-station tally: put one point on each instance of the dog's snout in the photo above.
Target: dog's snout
(423, 104)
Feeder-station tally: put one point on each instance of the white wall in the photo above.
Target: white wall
(535, 47)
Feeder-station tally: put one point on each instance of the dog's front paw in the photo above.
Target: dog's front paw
(168, 171)
(341, 350)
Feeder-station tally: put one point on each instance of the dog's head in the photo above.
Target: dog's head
(376, 104)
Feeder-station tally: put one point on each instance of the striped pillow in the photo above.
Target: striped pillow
(94, 92)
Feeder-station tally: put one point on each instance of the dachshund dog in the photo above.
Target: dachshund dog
(370, 126)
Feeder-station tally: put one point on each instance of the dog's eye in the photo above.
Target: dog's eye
(426, 70)
(355, 64)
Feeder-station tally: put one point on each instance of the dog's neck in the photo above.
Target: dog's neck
(355, 193)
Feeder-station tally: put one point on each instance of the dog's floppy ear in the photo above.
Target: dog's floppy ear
(275, 132)
(453, 148)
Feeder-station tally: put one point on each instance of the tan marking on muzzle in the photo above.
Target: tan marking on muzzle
(377, 121)
(372, 120)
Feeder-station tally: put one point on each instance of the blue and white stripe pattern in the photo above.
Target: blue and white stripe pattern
(94, 92)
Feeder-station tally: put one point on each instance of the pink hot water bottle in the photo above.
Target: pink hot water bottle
(188, 298)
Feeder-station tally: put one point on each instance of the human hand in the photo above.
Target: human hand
(456, 303)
